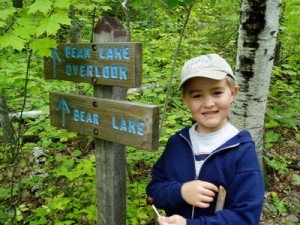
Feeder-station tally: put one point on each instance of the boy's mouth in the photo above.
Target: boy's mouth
(208, 113)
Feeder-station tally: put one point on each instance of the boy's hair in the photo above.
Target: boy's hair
(210, 66)
(230, 81)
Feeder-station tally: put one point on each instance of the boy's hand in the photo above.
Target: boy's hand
(198, 193)
(172, 220)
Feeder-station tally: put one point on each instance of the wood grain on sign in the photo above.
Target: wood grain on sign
(107, 63)
(128, 123)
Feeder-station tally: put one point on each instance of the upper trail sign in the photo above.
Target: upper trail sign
(114, 64)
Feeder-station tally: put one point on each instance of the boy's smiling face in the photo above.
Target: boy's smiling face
(209, 102)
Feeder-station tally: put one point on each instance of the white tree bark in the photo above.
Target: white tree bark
(5, 123)
(256, 49)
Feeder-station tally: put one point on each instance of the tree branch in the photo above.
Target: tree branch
(173, 67)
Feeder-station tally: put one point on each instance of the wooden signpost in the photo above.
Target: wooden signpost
(128, 123)
(112, 65)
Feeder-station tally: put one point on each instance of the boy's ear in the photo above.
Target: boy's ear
(234, 92)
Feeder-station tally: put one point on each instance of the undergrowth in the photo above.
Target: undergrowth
(58, 187)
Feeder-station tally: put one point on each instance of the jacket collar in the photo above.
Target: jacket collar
(241, 137)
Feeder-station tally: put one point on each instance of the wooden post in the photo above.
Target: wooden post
(110, 157)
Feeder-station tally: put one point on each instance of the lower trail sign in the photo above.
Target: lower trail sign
(128, 123)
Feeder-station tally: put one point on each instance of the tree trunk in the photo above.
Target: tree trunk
(279, 46)
(74, 32)
(6, 124)
(256, 46)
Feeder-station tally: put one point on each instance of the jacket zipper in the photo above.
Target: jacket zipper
(213, 153)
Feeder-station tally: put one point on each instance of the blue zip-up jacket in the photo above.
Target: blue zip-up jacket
(234, 165)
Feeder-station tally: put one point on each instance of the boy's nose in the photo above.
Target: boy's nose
(208, 102)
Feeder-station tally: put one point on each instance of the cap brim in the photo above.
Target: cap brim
(215, 75)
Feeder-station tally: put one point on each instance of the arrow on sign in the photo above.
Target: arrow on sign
(56, 59)
(64, 108)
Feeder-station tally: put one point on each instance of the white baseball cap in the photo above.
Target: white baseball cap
(211, 66)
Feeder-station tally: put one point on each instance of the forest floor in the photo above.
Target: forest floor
(282, 198)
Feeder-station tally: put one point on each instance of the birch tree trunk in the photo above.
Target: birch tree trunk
(6, 124)
(256, 49)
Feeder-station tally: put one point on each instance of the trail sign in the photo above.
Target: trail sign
(123, 122)
(108, 63)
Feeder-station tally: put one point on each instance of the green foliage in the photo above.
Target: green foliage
(35, 22)
(69, 197)
(289, 32)
(67, 194)
(282, 117)
(278, 205)
(137, 212)
(162, 30)
(282, 129)
(296, 178)
(271, 137)
(43, 45)
(279, 164)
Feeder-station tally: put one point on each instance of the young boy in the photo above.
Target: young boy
(198, 160)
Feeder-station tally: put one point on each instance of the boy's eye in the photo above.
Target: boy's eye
(196, 96)
(218, 92)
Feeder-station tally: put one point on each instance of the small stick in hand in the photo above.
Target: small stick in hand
(221, 199)
(150, 201)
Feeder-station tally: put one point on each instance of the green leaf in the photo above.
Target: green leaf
(279, 204)
(271, 136)
(43, 46)
(25, 22)
(43, 220)
(61, 18)
(23, 32)
(5, 13)
(172, 3)
(105, 8)
(271, 124)
(189, 1)
(10, 40)
(62, 4)
(76, 153)
(296, 178)
(2, 24)
(47, 26)
(43, 6)
(51, 25)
